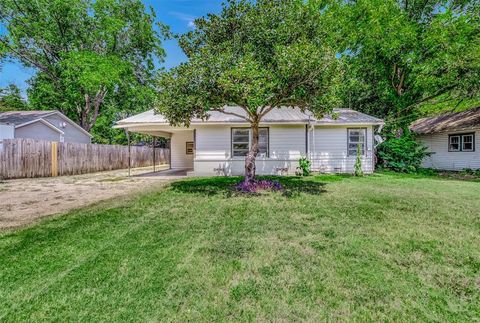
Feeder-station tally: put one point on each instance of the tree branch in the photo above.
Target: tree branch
(439, 92)
(232, 114)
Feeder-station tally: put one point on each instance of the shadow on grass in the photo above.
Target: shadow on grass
(292, 186)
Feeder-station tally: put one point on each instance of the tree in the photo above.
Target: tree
(258, 55)
(400, 54)
(85, 51)
(11, 99)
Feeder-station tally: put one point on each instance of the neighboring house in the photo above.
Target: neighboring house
(452, 139)
(43, 125)
(218, 145)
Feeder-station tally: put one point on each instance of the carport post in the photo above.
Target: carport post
(129, 156)
(154, 142)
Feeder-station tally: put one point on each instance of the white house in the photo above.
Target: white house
(451, 138)
(42, 125)
(218, 145)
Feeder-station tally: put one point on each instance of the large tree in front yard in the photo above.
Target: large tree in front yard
(259, 56)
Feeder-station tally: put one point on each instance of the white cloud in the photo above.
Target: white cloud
(189, 19)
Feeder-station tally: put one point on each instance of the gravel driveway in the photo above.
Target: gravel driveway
(22, 201)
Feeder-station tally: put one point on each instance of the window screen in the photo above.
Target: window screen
(242, 140)
(356, 137)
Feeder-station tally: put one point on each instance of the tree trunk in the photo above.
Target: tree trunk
(88, 118)
(252, 154)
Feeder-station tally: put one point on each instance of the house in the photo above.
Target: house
(42, 125)
(218, 145)
(452, 140)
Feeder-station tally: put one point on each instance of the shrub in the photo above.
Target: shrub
(467, 171)
(358, 163)
(304, 165)
(402, 154)
(427, 171)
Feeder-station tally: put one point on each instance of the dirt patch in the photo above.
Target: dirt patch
(22, 201)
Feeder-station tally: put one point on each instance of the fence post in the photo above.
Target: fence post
(54, 159)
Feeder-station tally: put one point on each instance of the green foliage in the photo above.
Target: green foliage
(402, 154)
(399, 54)
(11, 99)
(358, 171)
(304, 165)
(85, 52)
(275, 55)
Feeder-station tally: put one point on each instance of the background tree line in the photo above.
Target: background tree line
(97, 61)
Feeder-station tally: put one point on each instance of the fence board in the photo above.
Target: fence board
(20, 158)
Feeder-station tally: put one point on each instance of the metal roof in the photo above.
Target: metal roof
(20, 117)
(280, 115)
(448, 122)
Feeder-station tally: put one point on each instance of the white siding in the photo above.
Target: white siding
(329, 151)
(447, 160)
(213, 151)
(179, 157)
(287, 143)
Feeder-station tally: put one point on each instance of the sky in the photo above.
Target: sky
(178, 14)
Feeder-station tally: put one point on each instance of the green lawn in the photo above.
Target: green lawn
(382, 247)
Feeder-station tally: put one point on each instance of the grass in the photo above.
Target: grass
(382, 247)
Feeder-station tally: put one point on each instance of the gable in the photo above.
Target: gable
(40, 129)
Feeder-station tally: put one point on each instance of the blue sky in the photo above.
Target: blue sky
(178, 14)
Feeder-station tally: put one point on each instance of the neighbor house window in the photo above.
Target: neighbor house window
(242, 141)
(461, 142)
(356, 137)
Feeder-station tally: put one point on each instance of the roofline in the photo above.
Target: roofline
(124, 125)
(64, 117)
(48, 124)
(447, 130)
(70, 121)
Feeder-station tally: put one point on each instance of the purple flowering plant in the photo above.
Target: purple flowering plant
(258, 185)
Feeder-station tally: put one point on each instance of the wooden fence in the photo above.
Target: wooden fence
(21, 158)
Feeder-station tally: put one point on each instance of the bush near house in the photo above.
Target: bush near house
(402, 154)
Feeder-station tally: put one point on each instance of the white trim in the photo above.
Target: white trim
(144, 124)
(48, 124)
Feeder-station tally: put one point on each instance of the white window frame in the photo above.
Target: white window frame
(472, 135)
(364, 150)
(267, 154)
(461, 142)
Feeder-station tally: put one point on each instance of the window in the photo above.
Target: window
(189, 148)
(356, 137)
(467, 142)
(242, 140)
(454, 144)
(461, 142)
